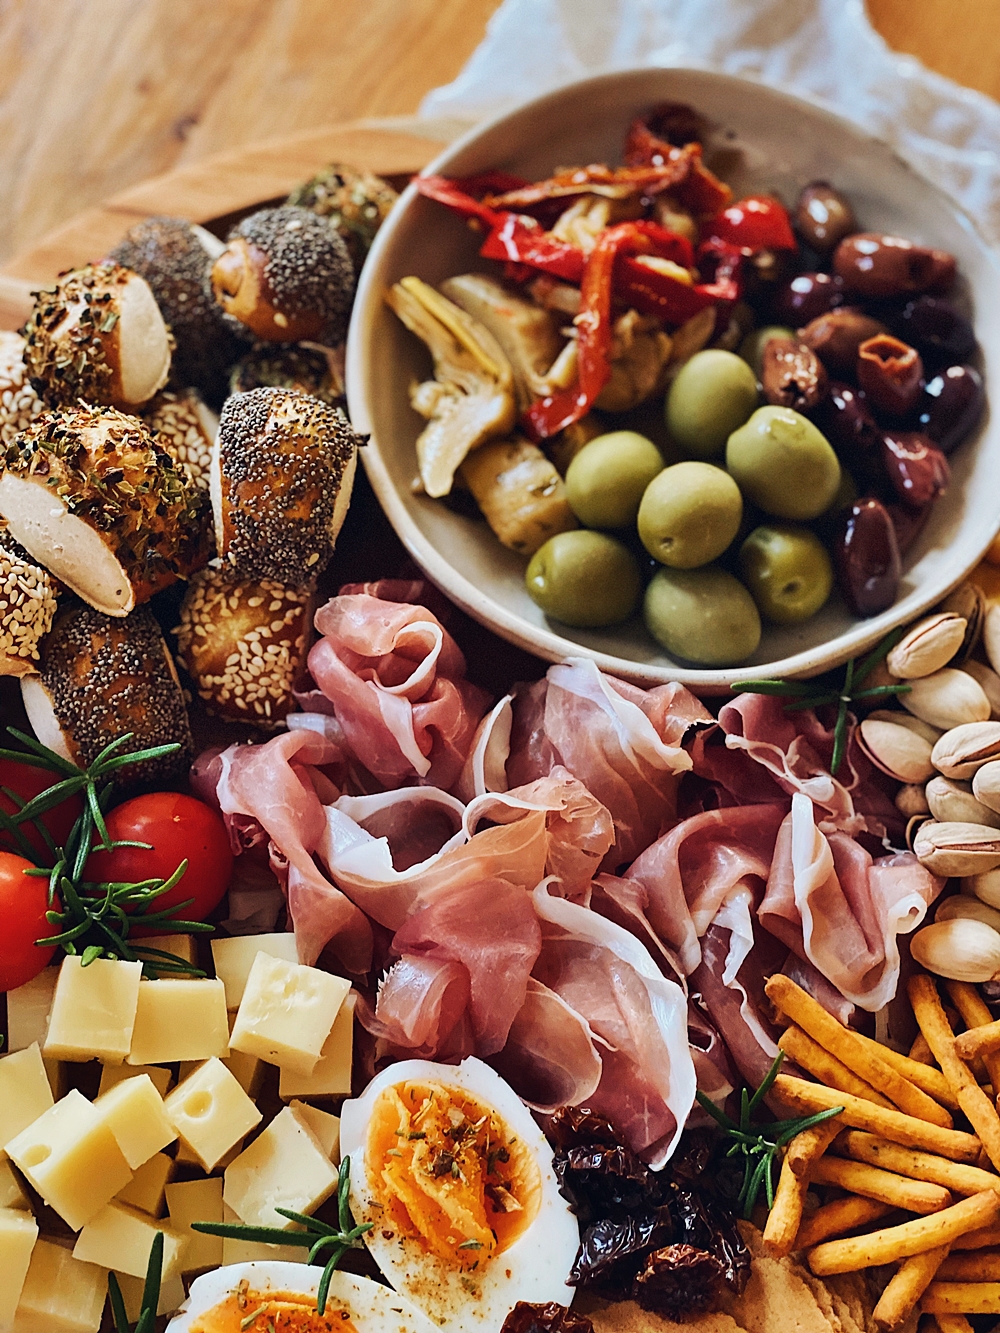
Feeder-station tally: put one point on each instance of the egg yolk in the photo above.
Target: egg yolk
(446, 1169)
(248, 1311)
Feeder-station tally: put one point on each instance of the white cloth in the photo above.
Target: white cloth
(822, 49)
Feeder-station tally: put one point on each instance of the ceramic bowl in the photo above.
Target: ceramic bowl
(778, 144)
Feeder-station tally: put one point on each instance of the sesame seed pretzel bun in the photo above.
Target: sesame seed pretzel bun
(27, 607)
(182, 424)
(100, 676)
(19, 404)
(244, 642)
(281, 479)
(97, 335)
(93, 498)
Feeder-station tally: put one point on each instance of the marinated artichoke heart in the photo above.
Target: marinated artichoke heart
(355, 202)
(471, 398)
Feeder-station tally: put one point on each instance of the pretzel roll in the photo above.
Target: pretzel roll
(97, 335)
(307, 367)
(281, 479)
(286, 275)
(19, 404)
(27, 607)
(186, 428)
(92, 497)
(243, 642)
(99, 677)
(355, 202)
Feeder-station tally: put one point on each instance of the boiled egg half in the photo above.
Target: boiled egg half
(457, 1180)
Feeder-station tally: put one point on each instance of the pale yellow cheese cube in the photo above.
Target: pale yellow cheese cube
(28, 1009)
(18, 1233)
(60, 1294)
(121, 1237)
(25, 1093)
(234, 958)
(58, 1075)
(93, 1011)
(181, 946)
(287, 1012)
(146, 1189)
(111, 1075)
(12, 1193)
(134, 1112)
(248, 1251)
(179, 1020)
(131, 1288)
(186, 1156)
(332, 1075)
(284, 1167)
(326, 1127)
(72, 1158)
(248, 1070)
(211, 1112)
(197, 1201)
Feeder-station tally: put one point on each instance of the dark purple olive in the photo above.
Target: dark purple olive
(909, 523)
(917, 468)
(891, 374)
(875, 264)
(866, 558)
(951, 405)
(936, 329)
(802, 298)
(836, 336)
(823, 216)
(792, 375)
(846, 420)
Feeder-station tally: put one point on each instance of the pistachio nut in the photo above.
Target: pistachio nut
(913, 826)
(988, 680)
(962, 750)
(948, 698)
(954, 802)
(985, 887)
(896, 750)
(968, 601)
(966, 906)
(930, 734)
(986, 785)
(948, 848)
(960, 949)
(991, 636)
(928, 646)
(912, 800)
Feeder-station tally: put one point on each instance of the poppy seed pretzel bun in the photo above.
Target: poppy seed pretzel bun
(186, 428)
(286, 275)
(92, 497)
(281, 479)
(243, 642)
(97, 335)
(27, 607)
(99, 677)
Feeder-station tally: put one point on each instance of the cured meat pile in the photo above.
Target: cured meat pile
(583, 883)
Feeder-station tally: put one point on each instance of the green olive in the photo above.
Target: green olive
(752, 346)
(584, 578)
(702, 615)
(782, 463)
(712, 396)
(606, 479)
(787, 570)
(689, 514)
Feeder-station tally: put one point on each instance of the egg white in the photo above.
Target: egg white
(534, 1268)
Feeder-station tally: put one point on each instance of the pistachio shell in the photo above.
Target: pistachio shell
(949, 848)
(928, 646)
(969, 908)
(912, 800)
(962, 750)
(960, 949)
(896, 750)
(948, 698)
(929, 733)
(991, 636)
(986, 785)
(954, 802)
(968, 601)
(989, 681)
(985, 887)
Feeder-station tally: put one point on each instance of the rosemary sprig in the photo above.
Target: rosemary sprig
(150, 1293)
(317, 1236)
(814, 694)
(760, 1144)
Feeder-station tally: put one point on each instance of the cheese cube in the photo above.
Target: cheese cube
(24, 1092)
(60, 1294)
(72, 1158)
(247, 1251)
(58, 1075)
(12, 1193)
(284, 1167)
(111, 1075)
(287, 1012)
(234, 958)
(187, 1156)
(210, 1111)
(18, 1233)
(133, 1110)
(93, 1010)
(181, 946)
(179, 1020)
(248, 1070)
(146, 1189)
(120, 1237)
(197, 1201)
(326, 1127)
(131, 1288)
(28, 1009)
(332, 1075)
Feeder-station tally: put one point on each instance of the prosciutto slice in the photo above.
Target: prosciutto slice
(421, 1011)
(551, 1056)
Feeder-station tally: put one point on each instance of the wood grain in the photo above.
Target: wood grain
(957, 38)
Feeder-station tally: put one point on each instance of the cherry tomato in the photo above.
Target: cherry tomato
(23, 904)
(177, 826)
(27, 781)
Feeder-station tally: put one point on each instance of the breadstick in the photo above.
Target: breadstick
(979, 1041)
(915, 1196)
(786, 1212)
(982, 1267)
(909, 1238)
(953, 1323)
(807, 1098)
(978, 1240)
(890, 1156)
(811, 1144)
(908, 1284)
(818, 1061)
(976, 1014)
(802, 1009)
(962, 1298)
(920, 1052)
(924, 1073)
(833, 1219)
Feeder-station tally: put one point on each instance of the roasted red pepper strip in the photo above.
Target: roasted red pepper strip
(521, 240)
(700, 190)
(659, 294)
(755, 223)
(454, 196)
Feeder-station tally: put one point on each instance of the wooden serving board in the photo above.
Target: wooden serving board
(206, 191)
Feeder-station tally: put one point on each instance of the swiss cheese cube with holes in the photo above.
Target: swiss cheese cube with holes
(287, 1012)
(211, 1112)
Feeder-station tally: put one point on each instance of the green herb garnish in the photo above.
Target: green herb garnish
(150, 1293)
(760, 1144)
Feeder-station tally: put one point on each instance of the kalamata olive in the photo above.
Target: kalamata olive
(866, 558)
(807, 295)
(936, 329)
(823, 216)
(792, 375)
(875, 264)
(951, 405)
(836, 336)
(916, 467)
(908, 522)
(891, 374)
(846, 420)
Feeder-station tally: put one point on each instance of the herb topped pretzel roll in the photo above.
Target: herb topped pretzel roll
(307, 367)
(99, 677)
(355, 202)
(27, 606)
(97, 335)
(91, 495)
(286, 275)
(281, 480)
(186, 428)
